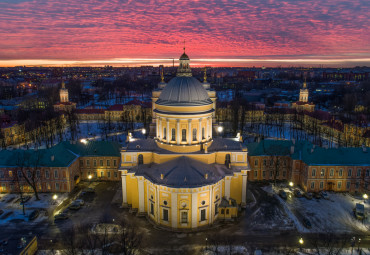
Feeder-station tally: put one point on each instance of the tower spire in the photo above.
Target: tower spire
(205, 74)
(304, 83)
(184, 46)
(162, 76)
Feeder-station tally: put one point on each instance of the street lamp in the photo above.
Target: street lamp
(300, 243)
(365, 196)
(358, 247)
(220, 129)
(291, 184)
(84, 141)
(89, 177)
(143, 131)
(55, 197)
(206, 243)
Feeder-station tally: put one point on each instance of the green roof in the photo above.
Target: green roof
(310, 154)
(61, 155)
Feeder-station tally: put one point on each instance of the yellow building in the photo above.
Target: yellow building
(184, 178)
(64, 104)
(303, 103)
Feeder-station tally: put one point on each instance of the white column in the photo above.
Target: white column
(210, 127)
(124, 189)
(141, 195)
(244, 190)
(157, 214)
(174, 210)
(227, 187)
(207, 129)
(168, 131)
(194, 210)
(200, 130)
(190, 133)
(157, 128)
(178, 131)
(210, 216)
(160, 129)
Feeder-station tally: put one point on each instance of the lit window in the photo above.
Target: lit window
(184, 217)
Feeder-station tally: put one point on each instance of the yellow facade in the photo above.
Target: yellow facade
(182, 177)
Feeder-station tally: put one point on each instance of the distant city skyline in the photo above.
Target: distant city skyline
(332, 33)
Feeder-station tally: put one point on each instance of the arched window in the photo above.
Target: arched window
(194, 134)
(184, 135)
(173, 134)
(227, 159)
(164, 133)
(140, 159)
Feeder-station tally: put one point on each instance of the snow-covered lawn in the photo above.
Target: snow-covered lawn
(11, 206)
(333, 215)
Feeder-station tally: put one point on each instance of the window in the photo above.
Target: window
(203, 215)
(140, 159)
(164, 133)
(56, 186)
(331, 172)
(101, 174)
(256, 162)
(47, 174)
(313, 173)
(10, 173)
(81, 162)
(19, 174)
(222, 211)
(270, 174)
(340, 172)
(1, 174)
(165, 214)
(48, 186)
(108, 162)
(284, 173)
(184, 217)
(194, 134)
(88, 162)
(227, 211)
(216, 209)
(271, 162)
(3, 187)
(349, 172)
(94, 162)
(96, 174)
(359, 172)
(255, 174)
(348, 185)
(312, 185)
(151, 208)
(277, 173)
(321, 185)
(101, 162)
(203, 133)
(165, 202)
(357, 185)
(264, 174)
(114, 162)
(115, 174)
(227, 159)
(38, 174)
(173, 131)
(108, 174)
(184, 135)
(322, 173)
(339, 185)
(56, 175)
(264, 162)
(367, 173)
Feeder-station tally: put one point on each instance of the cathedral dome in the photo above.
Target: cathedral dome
(183, 90)
(184, 57)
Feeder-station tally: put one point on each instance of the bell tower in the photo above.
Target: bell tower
(63, 93)
(303, 93)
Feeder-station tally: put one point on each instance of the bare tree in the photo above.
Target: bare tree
(32, 174)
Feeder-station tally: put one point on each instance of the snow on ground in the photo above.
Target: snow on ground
(11, 206)
(334, 215)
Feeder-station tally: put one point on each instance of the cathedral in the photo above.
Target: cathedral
(64, 104)
(303, 104)
(184, 177)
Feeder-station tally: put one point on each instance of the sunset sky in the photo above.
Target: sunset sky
(217, 32)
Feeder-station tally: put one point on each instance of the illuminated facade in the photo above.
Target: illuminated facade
(64, 104)
(303, 103)
(184, 178)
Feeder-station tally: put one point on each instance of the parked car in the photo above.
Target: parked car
(75, 206)
(297, 193)
(60, 216)
(324, 194)
(282, 194)
(80, 201)
(316, 195)
(306, 223)
(359, 211)
(308, 195)
(34, 214)
(4, 242)
(89, 190)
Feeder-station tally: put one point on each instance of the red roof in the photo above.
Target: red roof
(90, 111)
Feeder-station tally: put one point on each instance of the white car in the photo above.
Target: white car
(324, 195)
(80, 201)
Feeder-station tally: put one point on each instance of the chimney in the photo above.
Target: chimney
(206, 176)
(52, 157)
(292, 149)
(161, 176)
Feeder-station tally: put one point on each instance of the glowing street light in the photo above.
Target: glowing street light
(55, 197)
(84, 141)
(291, 184)
(143, 131)
(365, 196)
(220, 129)
(300, 243)
(89, 177)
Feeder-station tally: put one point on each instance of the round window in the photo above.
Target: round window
(203, 202)
(165, 202)
(183, 205)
